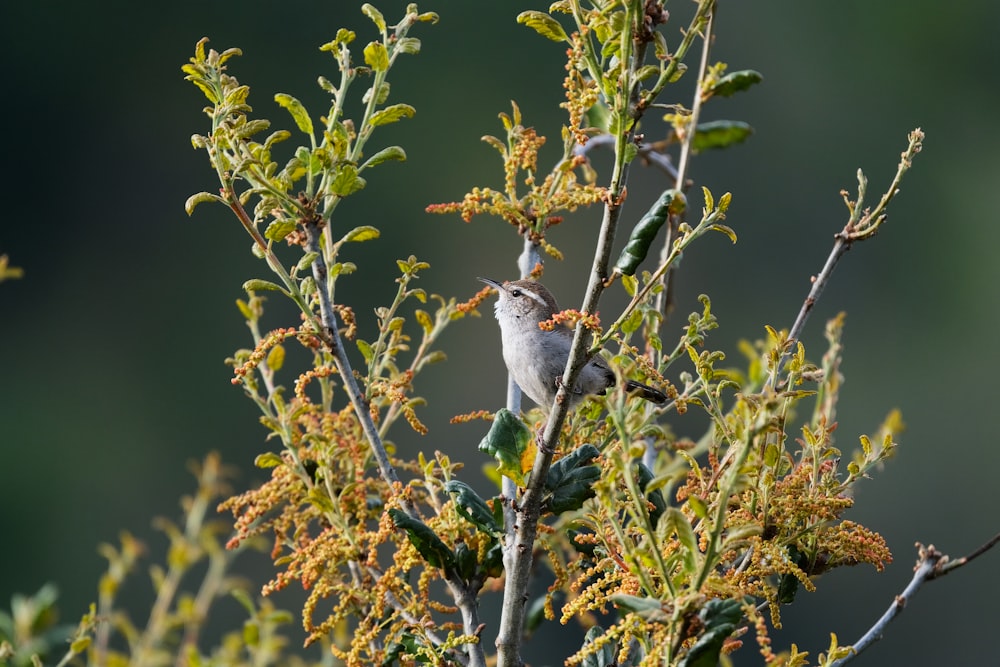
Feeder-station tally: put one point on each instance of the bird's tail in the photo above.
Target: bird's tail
(645, 391)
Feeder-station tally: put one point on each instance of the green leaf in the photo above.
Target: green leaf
(196, 199)
(644, 476)
(571, 480)
(698, 506)
(391, 114)
(677, 523)
(603, 656)
(380, 95)
(279, 229)
(424, 540)
(465, 561)
(317, 498)
(426, 323)
(709, 199)
(492, 565)
(196, 78)
(268, 460)
(259, 284)
(408, 45)
(719, 618)
(431, 358)
(631, 284)
(586, 547)
(788, 584)
(326, 85)
(598, 115)
(719, 134)
(346, 182)
(411, 266)
(384, 155)
(310, 160)
(252, 127)
(407, 645)
(199, 50)
(534, 615)
(366, 350)
(359, 234)
(646, 72)
(375, 15)
(634, 320)
(344, 36)
(276, 358)
(507, 442)
(275, 137)
(543, 24)
(343, 268)
(244, 308)
(631, 150)
(645, 231)
(724, 201)
(376, 56)
(80, 645)
(647, 608)
(471, 507)
(734, 82)
(618, 125)
(298, 112)
(306, 261)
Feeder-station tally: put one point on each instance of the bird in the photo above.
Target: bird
(536, 357)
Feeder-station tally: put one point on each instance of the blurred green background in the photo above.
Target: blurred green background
(112, 376)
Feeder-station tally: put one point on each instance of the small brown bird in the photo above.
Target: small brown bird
(536, 358)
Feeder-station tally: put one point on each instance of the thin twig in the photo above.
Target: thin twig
(862, 224)
(953, 565)
(651, 152)
(931, 564)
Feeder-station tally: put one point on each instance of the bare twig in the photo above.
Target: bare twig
(931, 564)
(651, 152)
(862, 224)
(953, 565)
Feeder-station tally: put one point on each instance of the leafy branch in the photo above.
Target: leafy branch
(326, 169)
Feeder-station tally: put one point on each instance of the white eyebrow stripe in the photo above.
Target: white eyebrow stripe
(533, 295)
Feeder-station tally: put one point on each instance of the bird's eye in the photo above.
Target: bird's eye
(515, 292)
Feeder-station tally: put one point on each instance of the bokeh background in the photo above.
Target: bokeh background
(112, 375)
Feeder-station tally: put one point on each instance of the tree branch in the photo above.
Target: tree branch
(518, 544)
(931, 564)
(862, 224)
(651, 152)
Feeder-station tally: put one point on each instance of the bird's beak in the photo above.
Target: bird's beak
(492, 283)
